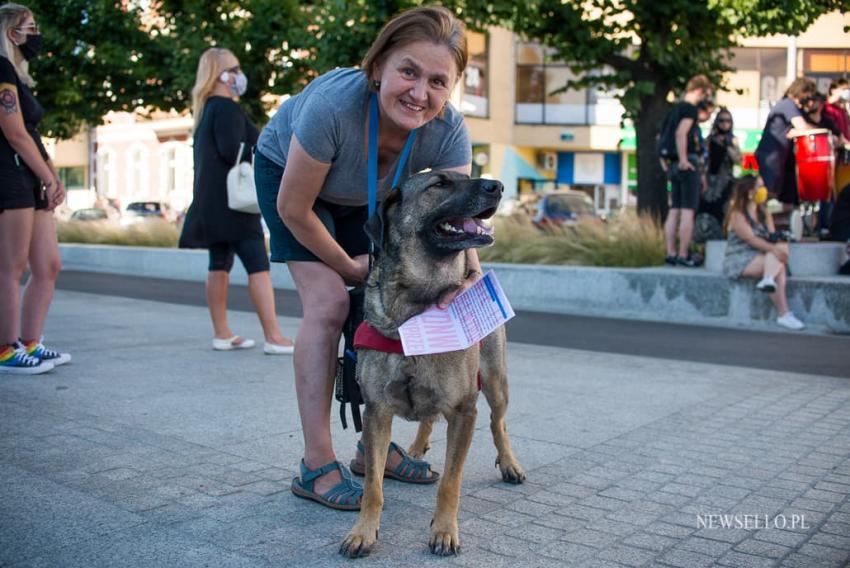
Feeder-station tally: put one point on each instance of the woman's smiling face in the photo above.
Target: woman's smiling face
(416, 81)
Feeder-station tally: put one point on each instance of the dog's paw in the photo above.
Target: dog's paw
(358, 545)
(418, 451)
(445, 542)
(511, 471)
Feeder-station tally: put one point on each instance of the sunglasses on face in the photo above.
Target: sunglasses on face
(28, 29)
(724, 121)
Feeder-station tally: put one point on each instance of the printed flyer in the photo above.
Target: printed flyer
(472, 316)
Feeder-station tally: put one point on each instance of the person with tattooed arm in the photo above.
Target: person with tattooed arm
(29, 191)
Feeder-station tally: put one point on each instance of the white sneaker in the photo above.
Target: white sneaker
(767, 284)
(275, 349)
(790, 321)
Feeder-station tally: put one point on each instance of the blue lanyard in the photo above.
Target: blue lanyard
(373, 154)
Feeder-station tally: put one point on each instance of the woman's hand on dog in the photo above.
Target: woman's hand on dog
(358, 270)
(472, 276)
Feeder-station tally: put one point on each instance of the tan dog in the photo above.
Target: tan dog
(421, 234)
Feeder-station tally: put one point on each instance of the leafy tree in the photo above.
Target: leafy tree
(104, 55)
(648, 49)
(96, 58)
(280, 44)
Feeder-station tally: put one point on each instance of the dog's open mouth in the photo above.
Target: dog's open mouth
(464, 226)
(474, 231)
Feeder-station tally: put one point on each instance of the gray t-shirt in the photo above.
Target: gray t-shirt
(329, 119)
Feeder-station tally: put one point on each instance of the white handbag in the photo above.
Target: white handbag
(241, 191)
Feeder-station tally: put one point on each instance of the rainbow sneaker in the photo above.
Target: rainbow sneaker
(38, 350)
(15, 360)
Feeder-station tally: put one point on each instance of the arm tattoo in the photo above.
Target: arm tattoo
(9, 101)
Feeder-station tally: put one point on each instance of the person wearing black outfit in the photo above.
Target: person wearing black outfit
(683, 171)
(723, 155)
(774, 153)
(30, 189)
(221, 126)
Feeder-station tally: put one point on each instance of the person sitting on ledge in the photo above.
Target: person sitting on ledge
(753, 249)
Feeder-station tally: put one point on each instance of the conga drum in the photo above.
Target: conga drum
(842, 170)
(815, 165)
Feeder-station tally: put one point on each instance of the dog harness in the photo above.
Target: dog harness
(367, 337)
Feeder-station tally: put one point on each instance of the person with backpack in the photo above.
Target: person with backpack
(681, 153)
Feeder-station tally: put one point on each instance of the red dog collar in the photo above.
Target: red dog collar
(367, 337)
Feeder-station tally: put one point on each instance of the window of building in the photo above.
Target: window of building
(73, 178)
(824, 65)
(476, 79)
(107, 173)
(137, 173)
(769, 66)
(757, 82)
(603, 104)
(538, 76)
(168, 161)
(175, 173)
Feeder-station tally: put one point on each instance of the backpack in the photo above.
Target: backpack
(665, 144)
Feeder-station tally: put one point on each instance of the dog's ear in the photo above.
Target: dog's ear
(376, 226)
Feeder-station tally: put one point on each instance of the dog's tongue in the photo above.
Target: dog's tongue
(473, 226)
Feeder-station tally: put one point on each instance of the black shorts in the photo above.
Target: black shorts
(343, 222)
(18, 193)
(252, 253)
(685, 186)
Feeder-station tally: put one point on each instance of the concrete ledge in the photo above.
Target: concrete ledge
(152, 262)
(676, 295)
(806, 259)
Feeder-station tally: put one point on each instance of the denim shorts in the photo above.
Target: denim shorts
(344, 223)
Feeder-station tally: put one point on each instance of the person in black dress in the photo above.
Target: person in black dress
(30, 189)
(220, 127)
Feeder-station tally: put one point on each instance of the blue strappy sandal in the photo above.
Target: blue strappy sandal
(345, 495)
(409, 470)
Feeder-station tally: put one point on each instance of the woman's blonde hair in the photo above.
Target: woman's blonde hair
(434, 24)
(210, 66)
(12, 16)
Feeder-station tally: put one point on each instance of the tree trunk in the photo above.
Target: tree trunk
(652, 182)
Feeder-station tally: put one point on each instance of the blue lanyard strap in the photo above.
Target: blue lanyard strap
(373, 154)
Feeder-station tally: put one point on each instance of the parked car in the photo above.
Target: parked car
(563, 207)
(140, 211)
(91, 214)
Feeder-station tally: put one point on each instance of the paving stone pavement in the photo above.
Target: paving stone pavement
(150, 449)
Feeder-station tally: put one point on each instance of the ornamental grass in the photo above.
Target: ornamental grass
(151, 233)
(626, 240)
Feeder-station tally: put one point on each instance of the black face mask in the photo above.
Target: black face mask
(32, 46)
